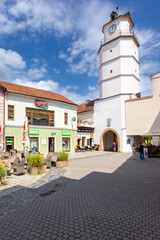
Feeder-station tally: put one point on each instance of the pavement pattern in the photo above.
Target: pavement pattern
(123, 204)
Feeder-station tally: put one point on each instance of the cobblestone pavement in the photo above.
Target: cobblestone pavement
(18, 195)
(124, 204)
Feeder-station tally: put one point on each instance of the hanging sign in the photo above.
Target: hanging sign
(41, 104)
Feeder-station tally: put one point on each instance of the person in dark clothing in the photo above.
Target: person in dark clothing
(141, 150)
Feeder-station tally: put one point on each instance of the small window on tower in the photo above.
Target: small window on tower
(111, 50)
(111, 71)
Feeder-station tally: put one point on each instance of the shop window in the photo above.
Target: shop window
(66, 144)
(34, 144)
(10, 112)
(88, 142)
(40, 118)
(66, 118)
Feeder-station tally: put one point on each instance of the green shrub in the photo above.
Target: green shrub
(2, 171)
(35, 160)
(62, 156)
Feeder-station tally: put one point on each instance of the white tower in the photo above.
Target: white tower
(118, 81)
(118, 60)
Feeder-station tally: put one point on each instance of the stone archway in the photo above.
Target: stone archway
(109, 136)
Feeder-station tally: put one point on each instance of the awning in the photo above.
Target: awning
(152, 133)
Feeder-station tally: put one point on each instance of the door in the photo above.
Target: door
(51, 145)
(9, 143)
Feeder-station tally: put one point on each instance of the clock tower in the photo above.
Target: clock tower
(118, 57)
(118, 81)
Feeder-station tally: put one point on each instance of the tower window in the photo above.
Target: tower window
(111, 71)
(111, 50)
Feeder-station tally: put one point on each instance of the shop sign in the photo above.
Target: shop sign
(53, 134)
(66, 133)
(41, 104)
(91, 135)
(44, 141)
(33, 132)
(78, 125)
(9, 141)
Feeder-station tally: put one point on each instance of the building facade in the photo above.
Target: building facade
(118, 81)
(85, 126)
(143, 115)
(52, 119)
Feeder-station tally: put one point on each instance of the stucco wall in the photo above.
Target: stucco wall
(22, 102)
(17, 133)
(140, 115)
(2, 106)
(86, 116)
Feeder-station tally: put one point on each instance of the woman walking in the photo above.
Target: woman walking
(134, 151)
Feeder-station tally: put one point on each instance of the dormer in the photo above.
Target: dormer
(114, 15)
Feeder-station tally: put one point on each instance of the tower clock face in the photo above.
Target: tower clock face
(112, 28)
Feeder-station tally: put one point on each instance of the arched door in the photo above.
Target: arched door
(108, 137)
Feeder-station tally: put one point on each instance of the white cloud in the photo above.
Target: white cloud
(36, 73)
(56, 70)
(91, 88)
(12, 59)
(50, 85)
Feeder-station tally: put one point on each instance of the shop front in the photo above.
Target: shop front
(51, 120)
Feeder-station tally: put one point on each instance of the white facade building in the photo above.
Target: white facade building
(118, 81)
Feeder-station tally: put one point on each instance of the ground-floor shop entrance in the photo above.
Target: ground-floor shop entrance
(51, 144)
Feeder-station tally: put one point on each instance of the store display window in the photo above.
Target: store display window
(34, 144)
(66, 144)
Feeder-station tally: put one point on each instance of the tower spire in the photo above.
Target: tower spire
(117, 7)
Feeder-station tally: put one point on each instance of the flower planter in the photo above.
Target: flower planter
(61, 164)
(37, 170)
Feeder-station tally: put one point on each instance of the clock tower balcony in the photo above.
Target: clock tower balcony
(116, 35)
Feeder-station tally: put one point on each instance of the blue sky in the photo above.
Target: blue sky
(53, 44)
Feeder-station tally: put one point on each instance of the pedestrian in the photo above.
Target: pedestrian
(114, 147)
(141, 150)
(134, 151)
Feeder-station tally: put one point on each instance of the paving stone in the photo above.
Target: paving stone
(119, 205)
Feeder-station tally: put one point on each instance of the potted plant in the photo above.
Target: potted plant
(36, 164)
(2, 173)
(62, 160)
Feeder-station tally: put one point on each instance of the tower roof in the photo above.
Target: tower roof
(117, 15)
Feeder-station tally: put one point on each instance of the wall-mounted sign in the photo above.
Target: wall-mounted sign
(91, 135)
(73, 119)
(53, 134)
(9, 141)
(41, 104)
(66, 133)
(33, 132)
(44, 141)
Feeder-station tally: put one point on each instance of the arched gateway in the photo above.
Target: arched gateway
(109, 136)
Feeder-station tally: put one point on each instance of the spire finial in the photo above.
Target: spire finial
(117, 7)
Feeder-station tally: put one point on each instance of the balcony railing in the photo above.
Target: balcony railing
(117, 34)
